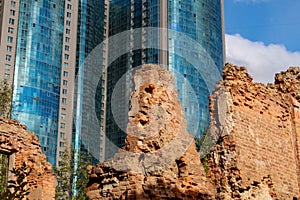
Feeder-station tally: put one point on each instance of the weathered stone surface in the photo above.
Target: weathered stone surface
(23, 146)
(159, 160)
(257, 129)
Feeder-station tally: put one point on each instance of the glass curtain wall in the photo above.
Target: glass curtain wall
(119, 21)
(86, 133)
(126, 16)
(195, 57)
(38, 69)
(198, 22)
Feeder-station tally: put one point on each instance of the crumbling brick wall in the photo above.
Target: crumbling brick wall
(256, 129)
(24, 146)
(159, 160)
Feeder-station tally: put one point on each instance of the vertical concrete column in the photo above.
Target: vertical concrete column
(163, 35)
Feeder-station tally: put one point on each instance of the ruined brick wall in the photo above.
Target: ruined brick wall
(257, 130)
(254, 130)
(159, 160)
(23, 146)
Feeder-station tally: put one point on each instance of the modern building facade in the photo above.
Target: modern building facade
(43, 68)
(87, 117)
(9, 14)
(190, 43)
(59, 57)
(43, 46)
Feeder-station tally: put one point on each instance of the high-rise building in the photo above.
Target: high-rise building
(87, 135)
(33, 33)
(9, 15)
(43, 46)
(68, 64)
(185, 36)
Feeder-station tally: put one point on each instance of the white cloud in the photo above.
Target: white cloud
(262, 61)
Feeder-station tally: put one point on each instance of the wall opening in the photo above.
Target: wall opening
(4, 169)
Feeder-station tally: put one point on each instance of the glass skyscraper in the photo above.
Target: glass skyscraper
(43, 48)
(38, 70)
(65, 59)
(87, 136)
(201, 22)
(190, 43)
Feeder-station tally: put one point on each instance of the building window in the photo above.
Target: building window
(62, 135)
(62, 125)
(10, 39)
(13, 4)
(66, 65)
(7, 67)
(68, 23)
(8, 57)
(65, 82)
(12, 12)
(67, 39)
(68, 31)
(66, 56)
(9, 48)
(10, 30)
(63, 116)
(69, 6)
(64, 91)
(6, 76)
(69, 14)
(11, 21)
(61, 144)
(60, 153)
(64, 100)
(66, 74)
(67, 48)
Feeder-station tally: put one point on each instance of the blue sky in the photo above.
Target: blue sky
(263, 35)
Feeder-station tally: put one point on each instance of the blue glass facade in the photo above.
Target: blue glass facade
(38, 69)
(38, 64)
(119, 21)
(90, 33)
(197, 22)
(195, 55)
(124, 16)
